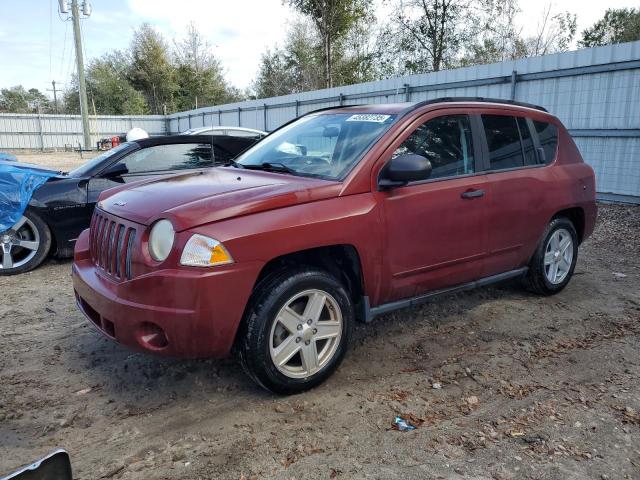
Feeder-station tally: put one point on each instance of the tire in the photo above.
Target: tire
(548, 256)
(264, 335)
(27, 243)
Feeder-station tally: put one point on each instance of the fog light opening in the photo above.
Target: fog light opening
(151, 336)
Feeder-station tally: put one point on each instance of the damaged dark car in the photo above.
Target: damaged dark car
(61, 207)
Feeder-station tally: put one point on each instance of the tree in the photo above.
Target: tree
(617, 26)
(151, 71)
(274, 78)
(499, 38)
(555, 33)
(199, 76)
(19, 100)
(108, 88)
(428, 35)
(292, 68)
(333, 20)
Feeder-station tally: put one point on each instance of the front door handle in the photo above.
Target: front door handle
(472, 194)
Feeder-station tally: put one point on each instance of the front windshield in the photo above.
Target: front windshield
(86, 168)
(324, 145)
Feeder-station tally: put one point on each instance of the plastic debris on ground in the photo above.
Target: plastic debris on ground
(402, 425)
(17, 184)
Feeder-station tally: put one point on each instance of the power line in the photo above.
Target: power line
(50, 36)
(64, 48)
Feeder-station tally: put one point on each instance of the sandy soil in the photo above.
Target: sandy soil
(531, 388)
(64, 161)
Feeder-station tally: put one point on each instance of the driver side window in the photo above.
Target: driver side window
(446, 142)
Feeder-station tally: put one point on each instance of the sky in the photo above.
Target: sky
(36, 43)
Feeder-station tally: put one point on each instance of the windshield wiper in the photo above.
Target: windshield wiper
(271, 167)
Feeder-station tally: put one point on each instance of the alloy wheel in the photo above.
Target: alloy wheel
(19, 244)
(558, 256)
(306, 333)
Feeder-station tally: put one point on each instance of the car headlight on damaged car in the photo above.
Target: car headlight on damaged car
(201, 251)
(161, 240)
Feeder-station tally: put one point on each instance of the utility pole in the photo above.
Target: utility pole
(55, 97)
(84, 107)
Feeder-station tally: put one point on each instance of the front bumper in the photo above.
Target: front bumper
(184, 312)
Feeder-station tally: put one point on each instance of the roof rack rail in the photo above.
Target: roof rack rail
(479, 99)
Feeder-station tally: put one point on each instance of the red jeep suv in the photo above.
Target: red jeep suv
(340, 215)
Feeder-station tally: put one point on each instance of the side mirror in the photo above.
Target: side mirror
(115, 170)
(403, 169)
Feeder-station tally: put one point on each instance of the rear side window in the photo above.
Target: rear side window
(164, 158)
(446, 142)
(548, 136)
(503, 140)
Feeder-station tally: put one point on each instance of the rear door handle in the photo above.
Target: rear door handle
(472, 194)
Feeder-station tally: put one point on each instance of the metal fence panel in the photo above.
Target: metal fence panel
(594, 91)
(55, 131)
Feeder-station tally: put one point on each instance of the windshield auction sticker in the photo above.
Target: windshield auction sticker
(368, 117)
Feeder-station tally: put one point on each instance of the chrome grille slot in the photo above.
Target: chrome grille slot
(111, 243)
(118, 271)
(132, 237)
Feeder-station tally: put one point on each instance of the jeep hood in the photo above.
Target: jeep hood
(198, 198)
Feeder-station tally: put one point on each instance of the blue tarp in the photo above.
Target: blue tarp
(8, 156)
(17, 184)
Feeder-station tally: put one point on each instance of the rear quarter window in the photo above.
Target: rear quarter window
(548, 137)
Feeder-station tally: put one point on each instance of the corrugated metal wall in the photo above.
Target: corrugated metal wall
(594, 91)
(56, 131)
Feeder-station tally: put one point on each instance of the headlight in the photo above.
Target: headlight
(201, 251)
(161, 240)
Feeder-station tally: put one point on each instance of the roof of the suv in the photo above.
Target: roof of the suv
(400, 108)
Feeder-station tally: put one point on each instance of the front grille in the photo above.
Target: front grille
(111, 243)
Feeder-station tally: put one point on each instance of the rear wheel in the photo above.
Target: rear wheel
(555, 258)
(296, 330)
(25, 245)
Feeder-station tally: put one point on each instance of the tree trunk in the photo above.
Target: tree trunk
(327, 61)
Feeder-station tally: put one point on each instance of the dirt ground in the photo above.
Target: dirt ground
(504, 385)
(64, 161)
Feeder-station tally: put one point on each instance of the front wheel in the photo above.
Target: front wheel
(25, 245)
(555, 258)
(296, 330)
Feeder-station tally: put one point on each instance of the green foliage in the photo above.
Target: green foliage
(152, 76)
(19, 100)
(301, 64)
(151, 71)
(199, 76)
(429, 35)
(334, 20)
(108, 88)
(292, 69)
(617, 26)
